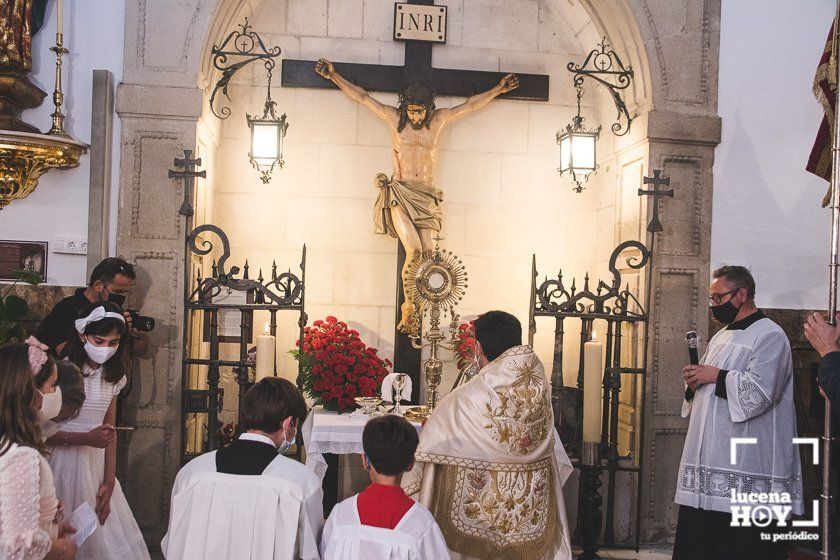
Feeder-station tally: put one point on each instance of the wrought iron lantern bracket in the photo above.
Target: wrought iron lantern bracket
(603, 65)
(243, 46)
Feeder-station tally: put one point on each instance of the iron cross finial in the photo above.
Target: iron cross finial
(655, 225)
(188, 173)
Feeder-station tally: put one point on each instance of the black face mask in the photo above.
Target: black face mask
(725, 312)
(119, 299)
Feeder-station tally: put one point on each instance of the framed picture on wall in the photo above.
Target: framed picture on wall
(23, 255)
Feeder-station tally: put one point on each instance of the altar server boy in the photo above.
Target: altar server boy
(381, 521)
(248, 500)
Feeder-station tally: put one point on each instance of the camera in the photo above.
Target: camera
(141, 322)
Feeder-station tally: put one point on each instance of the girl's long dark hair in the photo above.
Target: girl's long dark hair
(18, 423)
(114, 369)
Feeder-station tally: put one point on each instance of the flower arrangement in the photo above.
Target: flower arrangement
(337, 366)
(465, 349)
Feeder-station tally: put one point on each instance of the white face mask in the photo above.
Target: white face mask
(100, 354)
(50, 405)
(287, 444)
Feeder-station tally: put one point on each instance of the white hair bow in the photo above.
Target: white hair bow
(97, 314)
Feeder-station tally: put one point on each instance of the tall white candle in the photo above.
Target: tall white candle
(59, 27)
(266, 349)
(593, 372)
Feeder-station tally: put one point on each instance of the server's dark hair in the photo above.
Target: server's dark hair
(738, 277)
(269, 402)
(389, 442)
(497, 332)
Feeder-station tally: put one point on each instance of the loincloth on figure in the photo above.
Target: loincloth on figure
(420, 201)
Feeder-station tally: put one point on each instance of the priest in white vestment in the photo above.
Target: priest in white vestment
(742, 389)
(247, 500)
(490, 466)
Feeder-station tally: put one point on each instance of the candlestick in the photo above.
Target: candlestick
(266, 349)
(57, 128)
(593, 371)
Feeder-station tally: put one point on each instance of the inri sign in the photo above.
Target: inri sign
(415, 22)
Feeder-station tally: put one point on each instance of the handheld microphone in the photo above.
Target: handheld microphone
(691, 340)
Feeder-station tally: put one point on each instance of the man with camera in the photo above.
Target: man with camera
(111, 280)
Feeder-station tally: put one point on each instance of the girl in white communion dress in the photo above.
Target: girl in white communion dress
(84, 454)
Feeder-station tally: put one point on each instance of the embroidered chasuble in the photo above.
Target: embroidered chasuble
(491, 468)
(753, 398)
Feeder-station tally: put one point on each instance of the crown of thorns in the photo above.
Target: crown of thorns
(416, 94)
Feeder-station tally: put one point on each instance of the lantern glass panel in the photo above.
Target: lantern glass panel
(583, 152)
(565, 153)
(265, 142)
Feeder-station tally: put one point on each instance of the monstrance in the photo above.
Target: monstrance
(436, 282)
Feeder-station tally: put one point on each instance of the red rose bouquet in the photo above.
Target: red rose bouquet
(337, 366)
(465, 349)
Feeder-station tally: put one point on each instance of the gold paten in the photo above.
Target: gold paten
(24, 157)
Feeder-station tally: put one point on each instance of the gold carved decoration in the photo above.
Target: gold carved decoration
(24, 157)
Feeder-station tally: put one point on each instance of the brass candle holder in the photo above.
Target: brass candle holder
(57, 128)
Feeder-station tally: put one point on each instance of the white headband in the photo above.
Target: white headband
(97, 314)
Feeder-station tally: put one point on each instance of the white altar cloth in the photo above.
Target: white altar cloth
(330, 432)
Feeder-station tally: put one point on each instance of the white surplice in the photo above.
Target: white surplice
(491, 468)
(759, 404)
(416, 536)
(276, 515)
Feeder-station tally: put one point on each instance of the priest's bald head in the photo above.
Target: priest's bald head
(496, 332)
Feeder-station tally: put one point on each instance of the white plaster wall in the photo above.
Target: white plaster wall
(93, 32)
(503, 197)
(767, 211)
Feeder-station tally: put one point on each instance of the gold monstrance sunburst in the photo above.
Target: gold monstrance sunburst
(436, 282)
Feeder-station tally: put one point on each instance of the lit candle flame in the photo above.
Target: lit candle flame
(266, 329)
(594, 336)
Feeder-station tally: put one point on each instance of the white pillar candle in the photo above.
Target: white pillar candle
(266, 349)
(593, 373)
(59, 16)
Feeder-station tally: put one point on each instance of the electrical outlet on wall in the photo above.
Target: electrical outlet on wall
(70, 245)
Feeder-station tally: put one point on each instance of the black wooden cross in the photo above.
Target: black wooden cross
(655, 225)
(188, 164)
(417, 68)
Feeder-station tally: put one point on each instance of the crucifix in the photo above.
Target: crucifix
(188, 164)
(408, 204)
(655, 225)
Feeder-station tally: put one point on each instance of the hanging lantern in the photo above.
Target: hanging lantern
(577, 149)
(267, 134)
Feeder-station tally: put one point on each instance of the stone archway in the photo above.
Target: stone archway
(674, 50)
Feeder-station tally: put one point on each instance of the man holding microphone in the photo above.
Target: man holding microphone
(742, 388)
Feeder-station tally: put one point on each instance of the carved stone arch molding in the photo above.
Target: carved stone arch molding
(673, 49)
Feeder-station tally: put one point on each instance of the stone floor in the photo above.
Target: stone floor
(663, 553)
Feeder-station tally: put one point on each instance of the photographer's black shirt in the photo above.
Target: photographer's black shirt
(59, 325)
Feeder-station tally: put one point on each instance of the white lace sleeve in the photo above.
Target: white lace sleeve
(118, 386)
(21, 538)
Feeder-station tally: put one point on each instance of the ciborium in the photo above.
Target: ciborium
(436, 282)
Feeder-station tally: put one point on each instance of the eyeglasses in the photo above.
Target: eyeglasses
(717, 299)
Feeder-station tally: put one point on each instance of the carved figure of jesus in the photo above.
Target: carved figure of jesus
(408, 204)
